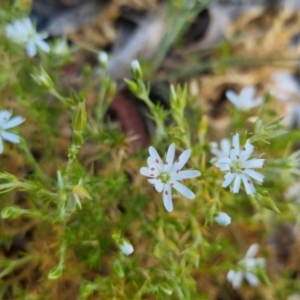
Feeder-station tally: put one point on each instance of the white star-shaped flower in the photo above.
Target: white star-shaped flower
(248, 268)
(23, 32)
(245, 101)
(165, 175)
(7, 123)
(239, 167)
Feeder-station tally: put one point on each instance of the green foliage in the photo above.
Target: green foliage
(74, 184)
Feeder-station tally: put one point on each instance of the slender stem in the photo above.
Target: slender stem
(30, 158)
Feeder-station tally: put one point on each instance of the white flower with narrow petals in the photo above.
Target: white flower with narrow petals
(239, 167)
(7, 123)
(248, 269)
(245, 100)
(23, 32)
(165, 175)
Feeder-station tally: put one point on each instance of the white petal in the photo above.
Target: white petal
(145, 171)
(182, 189)
(235, 278)
(13, 122)
(223, 166)
(249, 263)
(230, 275)
(155, 157)
(167, 198)
(10, 137)
(252, 279)
(216, 152)
(253, 249)
(224, 160)
(27, 24)
(247, 94)
(1, 145)
(185, 174)
(235, 146)
(246, 151)
(159, 186)
(150, 162)
(153, 168)
(228, 179)
(43, 45)
(255, 102)
(232, 97)
(4, 117)
(250, 189)
(31, 49)
(257, 176)
(152, 181)
(236, 184)
(170, 157)
(182, 159)
(253, 163)
(225, 146)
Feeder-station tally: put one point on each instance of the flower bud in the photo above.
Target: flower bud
(43, 79)
(118, 269)
(103, 59)
(79, 118)
(136, 70)
(173, 93)
(81, 192)
(132, 86)
(165, 288)
(11, 212)
(55, 273)
(126, 247)
(61, 47)
(223, 219)
(60, 181)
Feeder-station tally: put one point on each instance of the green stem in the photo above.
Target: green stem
(30, 158)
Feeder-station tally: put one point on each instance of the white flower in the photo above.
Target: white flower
(248, 269)
(165, 175)
(245, 101)
(126, 247)
(223, 219)
(239, 167)
(224, 150)
(24, 33)
(7, 123)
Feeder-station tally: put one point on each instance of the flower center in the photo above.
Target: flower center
(164, 177)
(237, 166)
